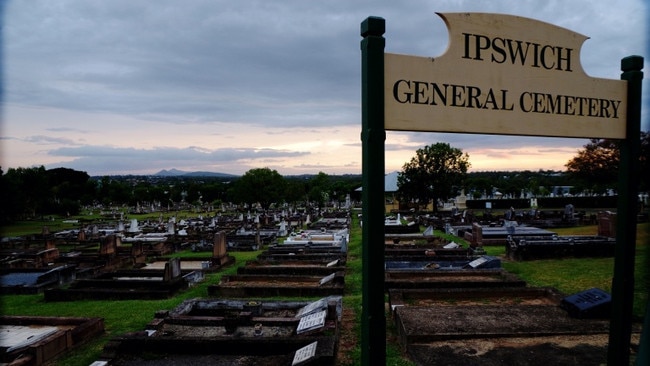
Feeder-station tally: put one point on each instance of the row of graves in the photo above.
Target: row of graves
(452, 304)
(236, 324)
(532, 217)
(241, 322)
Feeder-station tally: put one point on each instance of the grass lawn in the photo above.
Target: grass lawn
(567, 275)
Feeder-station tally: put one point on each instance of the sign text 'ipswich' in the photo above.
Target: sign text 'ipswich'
(507, 75)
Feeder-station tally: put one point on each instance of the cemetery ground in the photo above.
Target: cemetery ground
(569, 275)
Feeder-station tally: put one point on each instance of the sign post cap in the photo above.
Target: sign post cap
(373, 26)
(632, 63)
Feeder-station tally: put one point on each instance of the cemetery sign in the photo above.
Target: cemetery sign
(503, 74)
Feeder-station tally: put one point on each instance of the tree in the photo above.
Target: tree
(260, 185)
(596, 165)
(319, 189)
(436, 172)
(296, 191)
(644, 162)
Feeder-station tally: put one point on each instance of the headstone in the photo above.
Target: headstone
(219, 247)
(134, 226)
(607, 224)
(108, 245)
(568, 211)
(283, 228)
(172, 269)
(428, 231)
(477, 234)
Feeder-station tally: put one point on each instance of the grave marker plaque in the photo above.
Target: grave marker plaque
(304, 354)
(326, 279)
(311, 322)
(312, 307)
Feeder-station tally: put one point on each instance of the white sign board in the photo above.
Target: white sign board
(311, 322)
(312, 307)
(305, 353)
(506, 75)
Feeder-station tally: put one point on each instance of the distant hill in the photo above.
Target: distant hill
(181, 173)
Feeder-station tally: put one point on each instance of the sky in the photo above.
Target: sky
(133, 87)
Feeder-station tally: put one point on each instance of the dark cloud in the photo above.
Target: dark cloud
(288, 64)
(238, 61)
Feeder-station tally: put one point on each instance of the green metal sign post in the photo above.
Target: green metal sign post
(373, 136)
(620, 331)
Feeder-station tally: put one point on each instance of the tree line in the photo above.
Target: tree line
(31, 193)
(437, 172)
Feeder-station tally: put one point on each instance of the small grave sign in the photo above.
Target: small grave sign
(311, 322)
(477, 262)
(306, 353)
(312, 307)
(327, 279)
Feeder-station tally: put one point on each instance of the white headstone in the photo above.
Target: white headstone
(134, 226)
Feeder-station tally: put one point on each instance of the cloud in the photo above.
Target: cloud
(133, 160)
(48, 140)
(172, 154)
(287, 67)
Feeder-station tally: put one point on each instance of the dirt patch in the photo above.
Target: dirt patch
(348, 339)
(517, 351)
(478, 302)
(583, 350)
(528, 335)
